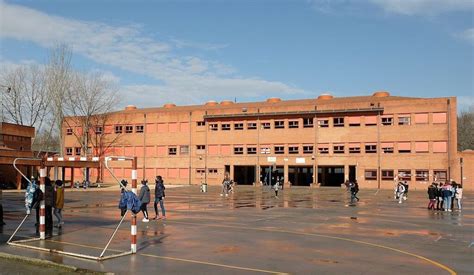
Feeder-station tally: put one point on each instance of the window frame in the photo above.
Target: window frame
(308, 122)
(139, 128)
(118, 129)
(213, 126)
(373, 175)
(225, 127)
(276, 150)
(172, 151)
(252, 125)
(69, 132)
(338, 149)
(293, 150)
(279, 124)
(239, 126)
(128, 129)
(68, 151)
(386, 177)
(422, 175)
(265, 125)
(238, 150)
(293, 124)
(251, 150)
(323, 123)
(336, 122)
(370, 150)
(308, 149)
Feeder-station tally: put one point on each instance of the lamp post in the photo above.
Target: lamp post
(461, 164)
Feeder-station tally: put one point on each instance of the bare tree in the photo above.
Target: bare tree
(466, 129)
(27, 101)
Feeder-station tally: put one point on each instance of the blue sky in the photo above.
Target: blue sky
(188, 52)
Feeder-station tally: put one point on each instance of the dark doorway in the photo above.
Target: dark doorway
(352, 173)
(330, 175)
(268, 173)
(244, 175)
(300, 175)
(227, 168)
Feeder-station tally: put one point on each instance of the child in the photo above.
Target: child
(159, 197)
(30, 190)
(276, 187)
(432, 196)
(225, 184)
(59, 202)
(400, 192)
(144, 197)
(458, 196)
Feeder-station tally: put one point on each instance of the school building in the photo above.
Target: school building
(321, 141)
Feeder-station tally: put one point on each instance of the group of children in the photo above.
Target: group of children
(444, 195)
(53, 199)
(144, 198)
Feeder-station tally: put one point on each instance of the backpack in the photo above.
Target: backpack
(37, 197)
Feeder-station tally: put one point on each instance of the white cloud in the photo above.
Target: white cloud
(424, 7)
(130, 49)
(467, 35)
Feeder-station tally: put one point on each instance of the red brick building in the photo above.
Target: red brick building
(320, 141)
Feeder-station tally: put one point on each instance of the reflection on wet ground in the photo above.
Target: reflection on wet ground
(303, 231)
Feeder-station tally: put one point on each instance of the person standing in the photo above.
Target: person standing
(458, 196)
(447, 194)
(159, 197)
(432, 196)
(144, 197)
(225, 185)
(59, 202)
(400, 192)
(48, 203)
(439, 197)
(276, 187)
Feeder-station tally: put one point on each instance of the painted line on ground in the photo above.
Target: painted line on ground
(440, 265)
(177, 259)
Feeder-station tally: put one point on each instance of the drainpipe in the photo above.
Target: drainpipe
(379, 172)
(144, 146)
(449, 138)
(189, 149)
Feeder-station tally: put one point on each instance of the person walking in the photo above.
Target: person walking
(405, 193)
(159, 198)
(59, 202)
(400, 192)
(276, 187)
(432, 196)
(458, 196)
(355, 190)
(144, 197)
(225, 184)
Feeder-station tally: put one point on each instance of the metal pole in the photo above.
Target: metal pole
(134, 217)
(462, 176)
(189, 148)
(42, 225)
(144, 147)
(113, 235)
(18, 228)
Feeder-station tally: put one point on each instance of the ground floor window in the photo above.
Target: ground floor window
(422, 175)
(370, 174)
(404, 175)
(387, 175)
(440, 175)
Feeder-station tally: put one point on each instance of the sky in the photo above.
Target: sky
(189, 51)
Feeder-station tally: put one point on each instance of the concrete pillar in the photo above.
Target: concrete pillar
(231, 172)
(63, 174)
(346, 172)
(285, 174)
(72, 177)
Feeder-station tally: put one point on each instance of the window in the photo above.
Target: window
(371, 148)
(421, 118)
(404, 120)
(279, 124)
(213, 126)
(238, 150)
(387, 147)
(308, 149)
(354, 148)
(238, 126)
(404, 174)
(265, 125)
(251, 126)
(422, 175)
(200, 147)
(387, 121)
(323, 149)
(370, 174)
(440, 175)
(293, 150)
(128, 129)
(307, 122)
(212, 171)
(99, 130)
(225, 126)
(279, 150)
(354, 121)
(421, 147)
(172, 151)
(69, 131)
(371, 121)
(440, 147)
(78, 151)
(251, 150)
(265, 150)
(387, 175)
(338, 149)
(439, 118)
(139, 129)
(323, 123)
(201, 123)
(118, 129)
(293, 124)
(200, 171)
(338, 122)
(404, 147)
(68, 151)
(184, 150)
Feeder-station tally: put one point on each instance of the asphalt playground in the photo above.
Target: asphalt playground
(304, 231)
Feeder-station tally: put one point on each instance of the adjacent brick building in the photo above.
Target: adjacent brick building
(369, 138)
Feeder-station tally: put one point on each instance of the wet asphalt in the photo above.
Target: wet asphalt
(304, 231)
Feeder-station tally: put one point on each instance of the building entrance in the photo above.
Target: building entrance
(300, 175)
(244, 175)
(270, 172)
(330, 175)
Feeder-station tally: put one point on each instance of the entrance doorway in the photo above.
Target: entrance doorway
(268, 172)
(244, 175)
(352, 173)
(331, 175)
(300, 175)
